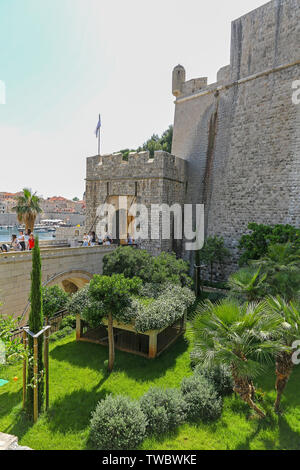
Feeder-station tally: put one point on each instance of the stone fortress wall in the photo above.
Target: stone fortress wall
(236, 142)
(240, 135)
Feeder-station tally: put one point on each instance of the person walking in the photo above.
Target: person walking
(31, 242)
(22, 240)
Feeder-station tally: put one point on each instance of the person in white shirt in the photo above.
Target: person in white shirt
(85, 239)
(22, 240)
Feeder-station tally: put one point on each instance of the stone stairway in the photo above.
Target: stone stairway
(8, 442)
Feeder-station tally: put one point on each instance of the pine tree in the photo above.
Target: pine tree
(35, 325)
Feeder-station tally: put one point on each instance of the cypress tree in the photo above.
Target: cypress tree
(35, 325)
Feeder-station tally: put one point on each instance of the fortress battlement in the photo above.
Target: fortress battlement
(138, 165)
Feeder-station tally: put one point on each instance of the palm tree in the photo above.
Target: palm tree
(239, 336)
(282, 267)
(27, 209)
(289, 333)
(247, 283)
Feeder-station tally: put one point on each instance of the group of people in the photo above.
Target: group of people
(19, 243)
(91, 239)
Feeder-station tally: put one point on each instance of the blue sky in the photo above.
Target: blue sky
(64, 61)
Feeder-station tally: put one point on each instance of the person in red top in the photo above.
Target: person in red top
(31, 242)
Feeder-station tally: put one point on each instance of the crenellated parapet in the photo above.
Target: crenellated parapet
(137, 166)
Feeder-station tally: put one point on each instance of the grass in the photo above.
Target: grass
(78, 381)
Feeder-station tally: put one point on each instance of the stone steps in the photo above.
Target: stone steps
(8, 442)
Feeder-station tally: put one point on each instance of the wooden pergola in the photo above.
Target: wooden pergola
(46, 332)
(149, 344)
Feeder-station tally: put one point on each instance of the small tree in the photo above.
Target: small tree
(282, 268)
(213, 252)
(247, 284)
(115, 295)
(27, 209)
(11, 350)
(289, 333)
(35, 325)
(241, 337)
(54, 300)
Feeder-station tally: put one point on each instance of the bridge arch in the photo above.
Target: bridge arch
(70, 281)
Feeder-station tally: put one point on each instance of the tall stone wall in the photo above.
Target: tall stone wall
(241, 134)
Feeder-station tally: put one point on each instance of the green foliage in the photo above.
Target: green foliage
(220, 376)
(13, 347)
(115, 295)
(152, 290)
(165, 310)
(247, 284)
(35, 324)
(213, 252)
(55, 299)
(162, 269)
(67, 330)
(159, 143)
(255, 245)
(78, 301)
(281, 267)
(290, 313)
(154, 143)
(84, 304)
(69, 320)
(27, 208)
(118, 424)
(164, 409)
(167, 268)
(239, 336)
(201, 399)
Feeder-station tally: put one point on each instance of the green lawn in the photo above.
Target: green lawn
(78, 382)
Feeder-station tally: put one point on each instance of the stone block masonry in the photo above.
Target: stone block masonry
(240, 136)
(236, 142)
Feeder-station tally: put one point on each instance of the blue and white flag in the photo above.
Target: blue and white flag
(98, 126)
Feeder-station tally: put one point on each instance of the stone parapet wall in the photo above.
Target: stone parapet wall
(15, 270)
(138, 166)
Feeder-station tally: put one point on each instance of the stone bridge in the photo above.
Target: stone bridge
(70, 268)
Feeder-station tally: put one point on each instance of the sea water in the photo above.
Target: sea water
(6, 233)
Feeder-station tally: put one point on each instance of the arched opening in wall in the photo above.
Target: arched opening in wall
(123, 225)
(69, 287)
(70, 281)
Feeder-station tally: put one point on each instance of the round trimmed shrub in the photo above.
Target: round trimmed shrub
(220, 377)
(118, 424)
(201, 398)
(164, 409)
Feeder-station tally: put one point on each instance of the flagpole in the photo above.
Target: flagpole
(99, 137)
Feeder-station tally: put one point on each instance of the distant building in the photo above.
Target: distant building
(3, 207)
